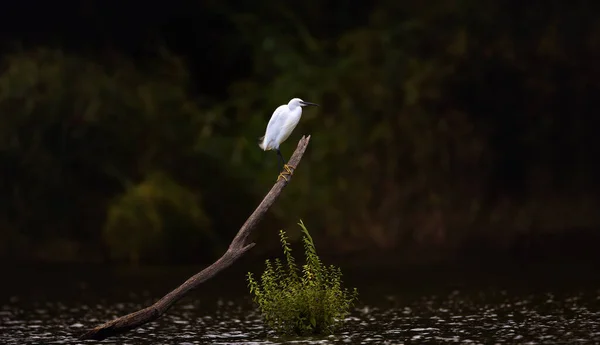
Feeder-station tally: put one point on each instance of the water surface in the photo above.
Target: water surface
(391, 311)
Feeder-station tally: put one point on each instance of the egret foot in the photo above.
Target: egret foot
(289, 168)
(282, 175)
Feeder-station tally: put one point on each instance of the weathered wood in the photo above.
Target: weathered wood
(237, 248)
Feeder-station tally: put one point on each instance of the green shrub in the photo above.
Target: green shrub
(157, 217)
(303, 303)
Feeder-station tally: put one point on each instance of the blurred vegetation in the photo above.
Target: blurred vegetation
(81, 145)
(153, 216)
(439, 122)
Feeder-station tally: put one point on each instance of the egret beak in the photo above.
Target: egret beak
(309, 103)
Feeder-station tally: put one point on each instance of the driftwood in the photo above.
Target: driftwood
(237, 248)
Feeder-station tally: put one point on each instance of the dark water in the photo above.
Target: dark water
(46, 306)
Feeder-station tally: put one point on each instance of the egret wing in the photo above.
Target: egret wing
(275, 125)
(287, 127)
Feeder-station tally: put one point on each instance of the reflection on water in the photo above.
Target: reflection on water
(486, 316)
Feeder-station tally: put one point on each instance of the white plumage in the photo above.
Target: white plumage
(281, 125)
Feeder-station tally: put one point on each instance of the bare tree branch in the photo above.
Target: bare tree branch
(237, 248)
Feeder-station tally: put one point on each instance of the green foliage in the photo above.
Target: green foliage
(302, 302)
(77, 130)
(438, 120)
(427, 111)
(137, 221)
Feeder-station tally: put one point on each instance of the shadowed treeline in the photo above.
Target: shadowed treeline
(129, 131)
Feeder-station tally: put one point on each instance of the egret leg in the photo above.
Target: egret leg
(281, 161)
(282, 175)
(288, 168)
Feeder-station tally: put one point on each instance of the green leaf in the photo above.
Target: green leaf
(305, 305)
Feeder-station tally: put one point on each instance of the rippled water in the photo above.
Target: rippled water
(473, 314)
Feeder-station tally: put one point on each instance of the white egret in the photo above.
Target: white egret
(282, 123)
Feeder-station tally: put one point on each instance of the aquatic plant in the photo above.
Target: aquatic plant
(301, 302)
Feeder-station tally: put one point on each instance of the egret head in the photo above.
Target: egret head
(297, 102)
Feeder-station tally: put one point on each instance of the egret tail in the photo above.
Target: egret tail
(261, 142)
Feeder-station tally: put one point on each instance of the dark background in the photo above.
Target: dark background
(447, 129)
